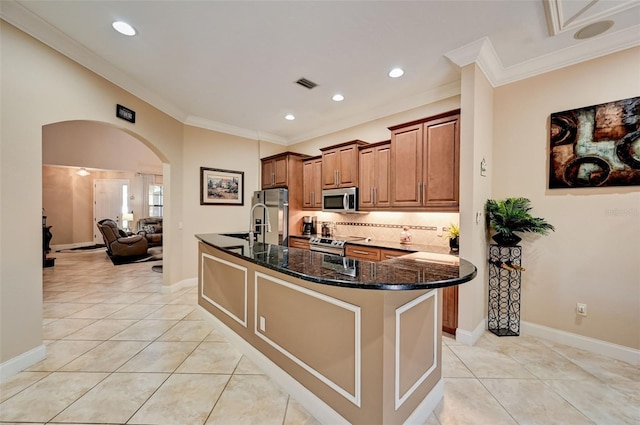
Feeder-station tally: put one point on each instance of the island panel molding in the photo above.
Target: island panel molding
(378, 291)
(214, 272)
(410, 352)
(339, 367)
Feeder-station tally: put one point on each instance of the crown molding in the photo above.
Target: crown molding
(480, 52)
(233, 130)
(558, 23)
(582, 52)
(26, 21)
(483, 54)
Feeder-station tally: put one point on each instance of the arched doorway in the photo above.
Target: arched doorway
(107, 152)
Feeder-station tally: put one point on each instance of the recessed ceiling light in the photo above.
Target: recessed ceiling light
(124, 28)
(289, 117)
(338, 97)
(592, 30)
(396, 72)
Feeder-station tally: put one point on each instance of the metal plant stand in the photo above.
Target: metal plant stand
(504, 289)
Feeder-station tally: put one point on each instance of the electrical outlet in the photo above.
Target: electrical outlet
(581, 309)
(263, 324)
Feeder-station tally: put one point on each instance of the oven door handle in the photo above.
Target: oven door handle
(327, 250)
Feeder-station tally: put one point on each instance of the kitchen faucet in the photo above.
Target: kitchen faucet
(251, 225)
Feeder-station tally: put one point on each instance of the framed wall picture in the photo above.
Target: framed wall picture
(596, 146)
(221, 187)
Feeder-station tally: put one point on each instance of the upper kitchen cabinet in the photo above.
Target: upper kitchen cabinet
(375, 176)
(312, 183)
(280, 170)
(425, 164)
(340, 165)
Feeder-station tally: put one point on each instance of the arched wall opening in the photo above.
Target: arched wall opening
(108, 152)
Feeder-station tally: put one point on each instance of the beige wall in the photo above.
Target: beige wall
(268, 148)
(206, 148)
(589, 259)
(594, 255)
(40, 87)
(67, 199)
(96, 145)
(476, 138)
(377, 130)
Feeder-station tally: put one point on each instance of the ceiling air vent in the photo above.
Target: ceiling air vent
(306, 83)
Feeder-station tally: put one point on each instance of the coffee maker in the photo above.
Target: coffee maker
(309, 225)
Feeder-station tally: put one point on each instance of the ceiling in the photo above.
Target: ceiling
(231, 66)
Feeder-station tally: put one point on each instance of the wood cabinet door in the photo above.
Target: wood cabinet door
(450, 309)
(387, 254)
(382, 176)
(363, 252)
(316, 185)
(312, 184)
(367, 169)
(307, 184)
(268, 175)
(442, 162)
(280, 171)
(406, 166)
(348, 166)
(329, 169)
(298, 243)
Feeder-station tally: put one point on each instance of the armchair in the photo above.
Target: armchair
(151, 229)
(118, 243)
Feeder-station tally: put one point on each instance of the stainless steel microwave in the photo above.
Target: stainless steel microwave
(343, 200)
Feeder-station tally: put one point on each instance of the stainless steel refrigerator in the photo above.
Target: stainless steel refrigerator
(277, 202)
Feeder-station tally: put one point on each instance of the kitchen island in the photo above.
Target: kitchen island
(353, 341)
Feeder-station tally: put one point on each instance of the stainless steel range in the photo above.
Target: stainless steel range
(334, 245)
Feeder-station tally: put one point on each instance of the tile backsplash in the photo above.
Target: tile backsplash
(425, 228)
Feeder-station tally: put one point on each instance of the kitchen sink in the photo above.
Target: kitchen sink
(239, 235)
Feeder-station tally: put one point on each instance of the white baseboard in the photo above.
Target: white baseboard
(314, 405)
(21, 362)
(60, 247)
(470, 338)
(609, 349)
(175, 287)
(428, 405)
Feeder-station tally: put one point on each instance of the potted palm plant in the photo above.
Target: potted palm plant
(511, 215)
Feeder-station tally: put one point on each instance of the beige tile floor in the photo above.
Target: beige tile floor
(119, 351)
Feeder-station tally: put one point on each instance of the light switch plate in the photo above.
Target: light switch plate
(263, 324)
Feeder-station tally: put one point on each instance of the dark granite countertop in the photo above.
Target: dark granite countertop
(418, 270)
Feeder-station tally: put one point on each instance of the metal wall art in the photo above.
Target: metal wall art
(596, 146)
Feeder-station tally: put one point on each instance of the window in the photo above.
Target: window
(155, 200)
(126, 224)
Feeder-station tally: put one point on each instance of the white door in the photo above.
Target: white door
(108, 202)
